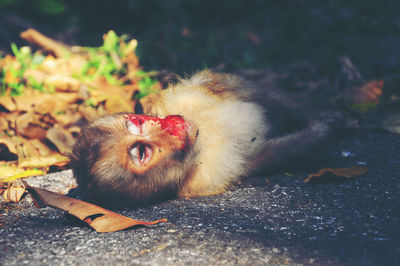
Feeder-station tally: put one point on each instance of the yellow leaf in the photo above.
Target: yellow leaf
(27, 173)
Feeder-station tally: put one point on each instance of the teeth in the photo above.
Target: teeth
(132, 128)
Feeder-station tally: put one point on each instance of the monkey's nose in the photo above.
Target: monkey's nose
(134, 127)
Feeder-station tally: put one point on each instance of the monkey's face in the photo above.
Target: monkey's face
(132, 158)
(150, 139)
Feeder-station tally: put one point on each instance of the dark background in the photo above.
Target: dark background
(187, 35)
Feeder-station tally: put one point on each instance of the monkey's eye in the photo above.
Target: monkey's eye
(141, 153)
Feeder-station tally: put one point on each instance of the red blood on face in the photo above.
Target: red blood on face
(139, 120)
(175, 125)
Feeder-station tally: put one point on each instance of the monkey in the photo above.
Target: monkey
(195, 138)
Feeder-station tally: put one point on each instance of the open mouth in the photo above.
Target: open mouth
(141, 153)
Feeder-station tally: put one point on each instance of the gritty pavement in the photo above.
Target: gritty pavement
(270, 220)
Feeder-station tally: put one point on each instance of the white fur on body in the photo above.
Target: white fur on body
(231, 132)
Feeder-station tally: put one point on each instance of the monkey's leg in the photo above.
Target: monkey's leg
(299, 145)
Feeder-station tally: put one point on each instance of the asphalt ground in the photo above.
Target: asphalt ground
(270, 220)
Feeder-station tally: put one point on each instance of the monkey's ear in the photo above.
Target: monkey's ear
(138, 108)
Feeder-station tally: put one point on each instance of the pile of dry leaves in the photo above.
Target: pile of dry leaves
(46, 96)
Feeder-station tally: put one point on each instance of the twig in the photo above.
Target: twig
(57, 48)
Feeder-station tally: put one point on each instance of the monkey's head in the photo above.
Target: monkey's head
(128, 160)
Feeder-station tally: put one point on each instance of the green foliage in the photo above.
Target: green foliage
(146, 86)
(105, 60)
(13, 76)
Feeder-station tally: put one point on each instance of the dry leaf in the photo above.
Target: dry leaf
(8, 103)
(53, 102)
(40, 148)
(21, 173)
(7, 170)
(7, 146)
(61, 138)
(89, 113)
(13, 193)
(116, 104)
(30, 126)
(45, 103)
(98, 218)
(370, 91)
(349, 172)
(63, 83)
(44, 161)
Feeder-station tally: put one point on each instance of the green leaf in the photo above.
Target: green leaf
(36, 85)
(146, 85)
(15, 49)
(111, 42)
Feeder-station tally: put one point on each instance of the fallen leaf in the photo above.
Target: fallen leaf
(45, 103)
(44, 161)
(30, 125)
(61, 138)
(8, 103)
(7, 147)
(7, 170)
(349, 172)
(89, 113)
(370, 91)
(63, 83)
(116, 104)
(20, 173)
(40, 148)
(13, 193)
(366, 97)
(100, 219)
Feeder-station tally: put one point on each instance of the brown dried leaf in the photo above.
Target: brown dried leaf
(369, 92)
(45, 103)
(68, 118)
(30, 125)
(39, 146)
(89, 113)
(116, 104)
(7, 145)
(35, 37)
(14, 193)
(62, 83)
(98, 218)
(35, 74)
(8, 103)
(3, 124)
(349, 172)
(61, 138)
(44, 161)
(29, 149)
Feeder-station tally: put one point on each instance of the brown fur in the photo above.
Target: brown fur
(232, 135)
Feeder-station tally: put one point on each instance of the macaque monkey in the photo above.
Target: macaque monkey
(195, 138)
